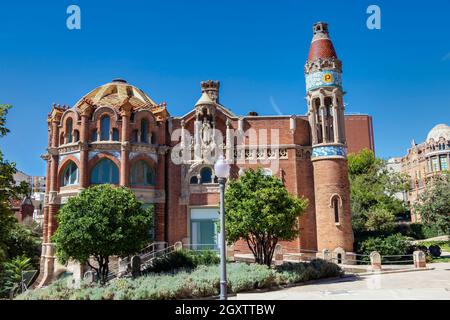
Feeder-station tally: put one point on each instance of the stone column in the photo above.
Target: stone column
(84, 152)
(375, 260)
(230, 253)
(342, 135)
(124, 150)
(278, 255)
(336, 131)
(229, 141)
(326, 255)
(197, 139)
(54, 161)
(312, 121)
(324, 122)
(419, 259)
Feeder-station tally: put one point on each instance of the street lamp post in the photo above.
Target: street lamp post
(222, 171)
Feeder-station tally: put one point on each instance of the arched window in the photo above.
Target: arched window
(335, 206)
(144, 131)
(69, 128)
(105, 123)
(70, 175)
(142, 174)
(194, 180)
(319, 120)
(329, 118)
(206, 175)
(105, 171)
(115, 134)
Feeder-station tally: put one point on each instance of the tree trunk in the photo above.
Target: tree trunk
(103, 268)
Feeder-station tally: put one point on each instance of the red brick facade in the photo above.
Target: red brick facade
(121, 126)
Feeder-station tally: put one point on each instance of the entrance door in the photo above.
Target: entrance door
(203, 228)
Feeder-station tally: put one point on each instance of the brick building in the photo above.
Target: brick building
(423, 162)
(117, 134)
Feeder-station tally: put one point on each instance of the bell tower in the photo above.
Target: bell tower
(323, 73)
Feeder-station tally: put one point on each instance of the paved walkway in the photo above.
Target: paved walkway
(421, 285)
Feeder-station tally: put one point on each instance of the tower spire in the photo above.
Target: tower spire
(321, 44)
(323, 73)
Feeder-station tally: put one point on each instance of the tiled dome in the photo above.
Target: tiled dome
(114, 93)
(441, 130)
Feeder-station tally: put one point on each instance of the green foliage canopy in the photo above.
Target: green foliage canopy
(373, 186)
(101, 221)
(15, 239)
(433, 204)
(260, 210)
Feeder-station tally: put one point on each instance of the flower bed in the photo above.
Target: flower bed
(201, 282)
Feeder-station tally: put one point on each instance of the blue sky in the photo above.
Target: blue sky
(400, 74)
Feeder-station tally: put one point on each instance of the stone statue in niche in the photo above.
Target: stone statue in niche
(206, 133)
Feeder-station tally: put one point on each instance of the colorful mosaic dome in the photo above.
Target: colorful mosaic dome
(321, 45)
(439, 131)
(114, 93)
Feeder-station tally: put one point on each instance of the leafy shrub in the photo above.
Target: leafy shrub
(204, 281)
(430, 232)
(413, 230)
(300, 272)
(182, 259)
(207, 257)
(435, 251)
(395, 244)
(172, 262)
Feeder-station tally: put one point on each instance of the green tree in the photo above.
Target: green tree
(433, 204)
(379, 219)
(13, 241)
(373, 186)
(13, 275)
(260, 210)
(100, 222)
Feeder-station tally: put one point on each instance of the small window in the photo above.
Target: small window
(142, 174)
(76, 136)
(206, 175)
(152, 139)
(194, 180)
(105, 124)
(144, 131)
(94, 135)
(444, 163)
(115, 134)
(335, 206)
(70, 175)
(69, 128)
(134, 136)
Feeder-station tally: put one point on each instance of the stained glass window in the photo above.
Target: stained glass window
(142, 174)
(105, 123)
(70, 175)
(105, 171)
